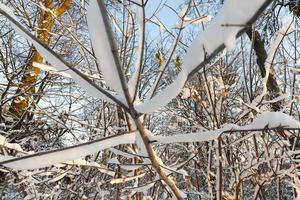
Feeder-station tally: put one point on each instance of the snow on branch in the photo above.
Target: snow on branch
(12, 146)
(134, 80)
(83, 163)
(102, 47)
(44, 159)
(81, 79)
(50, 69)
(265, 121)
(286, 28)
(231, 21)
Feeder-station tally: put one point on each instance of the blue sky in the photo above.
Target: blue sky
(166, 15)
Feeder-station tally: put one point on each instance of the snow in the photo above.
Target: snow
(279, 98)
(123, 180)
(133, 82)
(147, 198)
(55, 60)
(113, 161)
(183, 11)
(13, 146)
(155, 20)
(102, 47)
(230, 20)
(142, 150)
(198, 20)
(286, 28)
(164, 96)
(270, 59)
(142, 188)
(122, 153)
(5, 9)
(295, 71)
(45, 159)
(130, 167)
(265, 120)
(83, 163)
(5, 158)
(50, 69)
(186, 93)
(58, 177)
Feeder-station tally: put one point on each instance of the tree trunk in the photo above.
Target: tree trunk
(20, 104)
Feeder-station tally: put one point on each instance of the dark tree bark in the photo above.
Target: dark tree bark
(261, 57)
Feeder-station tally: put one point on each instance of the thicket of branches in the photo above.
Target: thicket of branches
(84, 87)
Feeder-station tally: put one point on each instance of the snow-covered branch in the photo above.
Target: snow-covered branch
(231, 21)
(61, 65)
(265, 121)
(47, 158)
